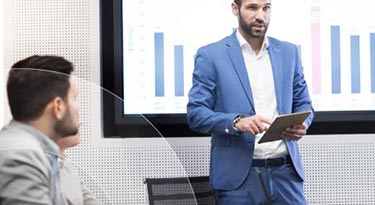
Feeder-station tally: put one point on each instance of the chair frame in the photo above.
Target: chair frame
(178, 180)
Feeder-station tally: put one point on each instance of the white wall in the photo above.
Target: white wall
(2, 65)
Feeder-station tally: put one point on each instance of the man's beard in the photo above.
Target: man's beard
(66, 127)
(248, 29)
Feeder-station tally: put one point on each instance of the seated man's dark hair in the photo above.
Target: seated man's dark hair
(34, 82)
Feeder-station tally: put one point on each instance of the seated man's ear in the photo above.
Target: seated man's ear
(58, 108)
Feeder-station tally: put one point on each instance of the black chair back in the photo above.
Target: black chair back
(180, 191)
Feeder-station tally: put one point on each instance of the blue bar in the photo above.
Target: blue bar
(336, 59)
(159, 64)
(179, 70)
(372, 61)
(355, 64)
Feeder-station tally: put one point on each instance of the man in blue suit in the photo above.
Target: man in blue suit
(239, 85)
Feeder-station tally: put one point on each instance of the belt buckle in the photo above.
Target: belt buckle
(267, 163)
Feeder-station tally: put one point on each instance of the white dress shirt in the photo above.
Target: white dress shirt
(259, 70)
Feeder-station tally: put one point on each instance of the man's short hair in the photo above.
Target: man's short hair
(36, 81)
(238, 2)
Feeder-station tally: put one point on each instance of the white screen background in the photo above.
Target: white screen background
(188, 25)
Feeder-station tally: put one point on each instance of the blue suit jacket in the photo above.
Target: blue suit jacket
(221, 91)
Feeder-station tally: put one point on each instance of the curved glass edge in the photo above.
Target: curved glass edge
(109, 166)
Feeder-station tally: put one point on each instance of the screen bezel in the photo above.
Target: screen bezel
(115, 124)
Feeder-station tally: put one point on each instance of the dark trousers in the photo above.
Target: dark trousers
(282, 185)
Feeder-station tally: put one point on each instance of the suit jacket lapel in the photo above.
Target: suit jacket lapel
(235, 54)
(276, 62)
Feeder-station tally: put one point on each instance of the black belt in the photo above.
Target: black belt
(272, 162)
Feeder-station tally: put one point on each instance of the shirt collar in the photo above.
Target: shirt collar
(46, 143)
(242, 41)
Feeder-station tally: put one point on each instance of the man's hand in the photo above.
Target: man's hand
(254, 124)
(295, 132)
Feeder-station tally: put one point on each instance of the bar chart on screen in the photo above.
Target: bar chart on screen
(347, 57)
(342, 56)
(159, 49)
(335, 41)
(337, 46)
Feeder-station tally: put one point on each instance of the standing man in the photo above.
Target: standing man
(42, 100)
(239, 85)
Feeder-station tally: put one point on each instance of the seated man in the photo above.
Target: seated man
(42, 100)
(74, 191)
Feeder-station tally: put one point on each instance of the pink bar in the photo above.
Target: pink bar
(315, 47)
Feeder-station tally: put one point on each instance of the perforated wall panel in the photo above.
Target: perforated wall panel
(117, 173)
(339, 169)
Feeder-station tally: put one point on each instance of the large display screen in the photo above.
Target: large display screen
(148, 49)
(336, 42)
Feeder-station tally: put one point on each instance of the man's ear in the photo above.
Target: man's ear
(235, 9)
(58, 107)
